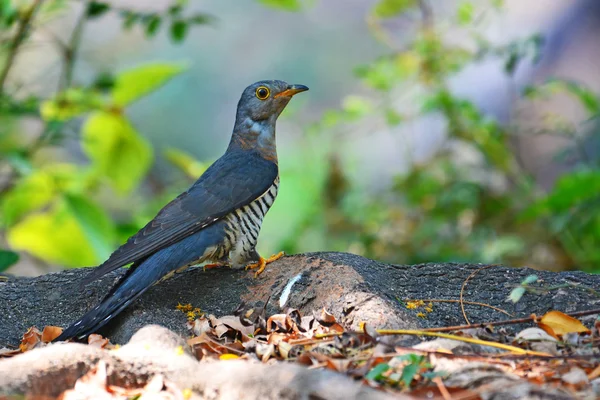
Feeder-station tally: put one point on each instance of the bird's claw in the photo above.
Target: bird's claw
(262, 263)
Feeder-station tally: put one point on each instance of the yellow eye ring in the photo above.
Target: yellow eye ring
(262, 92)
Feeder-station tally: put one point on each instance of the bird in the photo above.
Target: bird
(216, 220)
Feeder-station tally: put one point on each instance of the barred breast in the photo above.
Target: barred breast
(243, 225)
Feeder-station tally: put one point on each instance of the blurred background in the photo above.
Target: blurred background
(433, 130)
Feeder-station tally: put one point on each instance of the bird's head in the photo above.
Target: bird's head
(265, 100)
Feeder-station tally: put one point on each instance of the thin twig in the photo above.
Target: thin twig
(462, 290)
(442, 388)
(20, 36)
(506, 322)
(475, 303)
(513, 349)
(426, 15)
(70, 51)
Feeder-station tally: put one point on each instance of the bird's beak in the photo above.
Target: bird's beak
(292, 90)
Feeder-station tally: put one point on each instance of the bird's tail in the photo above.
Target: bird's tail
(139, 278)
(136, 281)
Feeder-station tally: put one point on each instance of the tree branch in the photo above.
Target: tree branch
(20, 36)
(70, 51)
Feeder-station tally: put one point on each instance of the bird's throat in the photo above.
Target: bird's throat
(256, 135)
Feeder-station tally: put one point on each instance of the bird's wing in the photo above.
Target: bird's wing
(236, 179)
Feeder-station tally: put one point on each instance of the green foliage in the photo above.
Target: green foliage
(55, 236)
(7, 258)
(415, 364)
(465, 12)
(376, 374)
(517, 293)
(132, 84)
(287, 5)
(445, 208)
(97, 9)
(116, 150)
(56, 211)
(481, 208)
(391, 8)
(185, 162)
(175, 18)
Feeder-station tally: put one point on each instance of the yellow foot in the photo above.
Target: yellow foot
(262, 263)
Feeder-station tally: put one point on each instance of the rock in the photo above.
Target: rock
(49, 371)
(351, 287)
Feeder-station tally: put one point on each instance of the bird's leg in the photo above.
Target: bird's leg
(262, 263)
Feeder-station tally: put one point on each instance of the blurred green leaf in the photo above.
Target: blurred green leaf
(30, 193)
(116, 150)
(587, 98)
(129, 19)
(152, 25)
(70, 104)
(415, 363)
(185, 162)
(135, 83)
(287, 5)
(376, 373)
(356, 107)
(179, 29)
(408, 373)
(498, 248)
(498, 4)
(54, 236)
(7, 258)
(391, 8)
(95, 223)
(97, 9)
(175, 10)
(516, 294)
(465, 12)
(392, 117)
(570, 190)
(8, 13)
(104, 81)
(201, 18)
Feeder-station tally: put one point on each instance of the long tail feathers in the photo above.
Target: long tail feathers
(136, 281)
(142, 275)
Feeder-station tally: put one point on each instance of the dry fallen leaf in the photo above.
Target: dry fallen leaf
(50, 333)
(326, 319)
(556, 323)
(30, 339)
(98, 341)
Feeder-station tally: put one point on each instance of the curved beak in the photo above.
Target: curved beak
(292, 90)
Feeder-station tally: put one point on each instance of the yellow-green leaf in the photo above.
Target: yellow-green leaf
(185, 162)
(97, 226)
(465, 12)
(287, 5)
(31, 193)
(391, 8)
(356, 107)
(54, 236)
(69, 104)
(116, 149)
(134, 83)
(39, 188)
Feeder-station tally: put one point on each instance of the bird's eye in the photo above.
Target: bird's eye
(263, 92)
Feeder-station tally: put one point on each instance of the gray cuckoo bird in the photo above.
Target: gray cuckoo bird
(216, 220)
